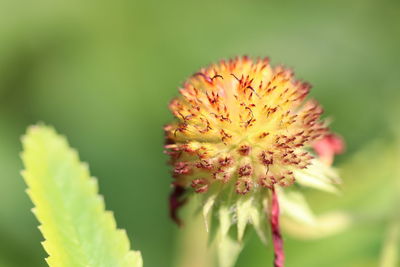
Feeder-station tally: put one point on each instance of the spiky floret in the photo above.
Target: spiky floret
(243, 132)
(242, 122)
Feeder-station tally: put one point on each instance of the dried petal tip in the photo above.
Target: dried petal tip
(328, 147)
(175, 202)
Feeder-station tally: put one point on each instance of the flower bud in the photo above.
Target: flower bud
(241, 129)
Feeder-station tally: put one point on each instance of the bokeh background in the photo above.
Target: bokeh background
(102, 73)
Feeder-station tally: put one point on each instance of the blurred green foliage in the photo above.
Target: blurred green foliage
(102, 72)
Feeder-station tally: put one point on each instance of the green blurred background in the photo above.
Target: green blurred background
(102, 73)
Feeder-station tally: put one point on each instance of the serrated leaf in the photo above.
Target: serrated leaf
(77, 229)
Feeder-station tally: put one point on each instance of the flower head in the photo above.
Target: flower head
(243, 128)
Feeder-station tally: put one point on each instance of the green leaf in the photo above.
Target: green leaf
(250, 209)
(295, 206)
(319, 176)
(207, 209)
(77, 229)
(390, 254)
(325, 225)
(243, 210)
(228, 248)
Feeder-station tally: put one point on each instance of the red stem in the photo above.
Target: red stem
(276, 232)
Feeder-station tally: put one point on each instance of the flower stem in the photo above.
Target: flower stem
(276, 232)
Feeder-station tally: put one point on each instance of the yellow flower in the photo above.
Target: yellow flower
(243, 128)
(242, 122)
